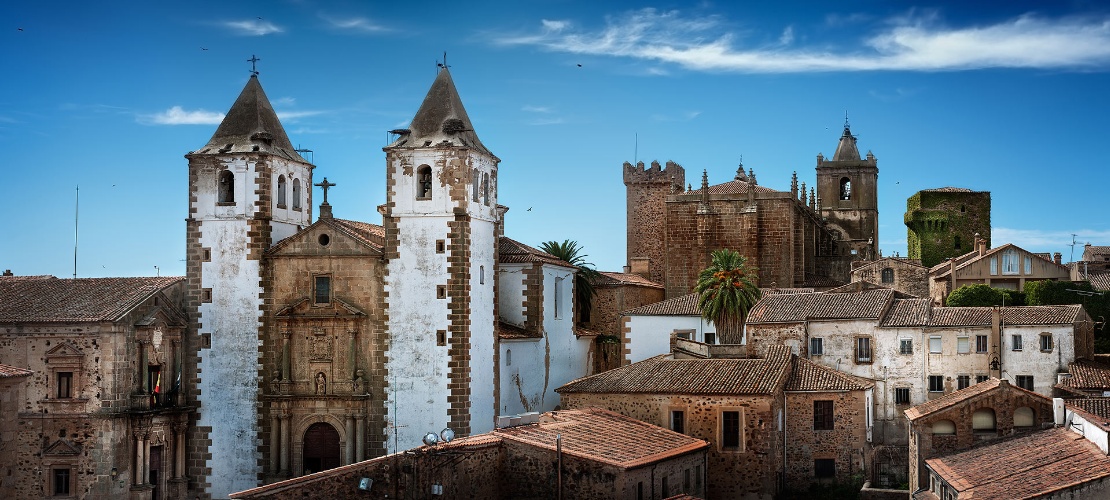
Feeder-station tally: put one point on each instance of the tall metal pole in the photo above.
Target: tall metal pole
(76, 212)
(559, 455)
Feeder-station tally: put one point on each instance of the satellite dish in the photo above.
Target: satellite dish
(431, 439)
(447, 434)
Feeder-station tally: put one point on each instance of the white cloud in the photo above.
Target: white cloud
(285, 101)
(536, 109)
(292, 116)
(1038, 240)
(178, 116)
(913, 42)
(253, 27)
(546, 121)
(359, 24)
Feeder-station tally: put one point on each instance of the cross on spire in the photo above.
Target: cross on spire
(253, 60)
(325, 185)
(444, 63)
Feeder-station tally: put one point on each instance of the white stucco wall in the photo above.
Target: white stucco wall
(651, 335)
(1030, 360)
(510, 292)
(483, 407)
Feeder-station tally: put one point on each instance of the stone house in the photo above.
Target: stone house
(793, 238)
(1067, 461)
(905, 275)
(984, 412)
(944, 222)
(616, 293)
(1085, 378)
(97, 411)
(1007, 266)
(739, 406)
(557, 454)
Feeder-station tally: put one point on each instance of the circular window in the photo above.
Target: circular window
(324, 240)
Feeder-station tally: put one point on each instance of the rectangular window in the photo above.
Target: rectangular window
(1015, 342)
(678, 421)
(963, 345)
(863, 349)
(558, 286)
(640, 490)
(441, 291)
(981, 378)
(65, 385)
(61, 482)
(824, 467)
(980, 343)
(710, 337)
(323, 289)
(1025, 382)
(822, 415)
(684, 334)
(730, 430)
(963, 381)
(1028, 265)
(935, 344)
(936, 383)
(697, 479)
(441, 337)
(663, 486)
(994, 266)
(901, 395)
(816, 346)
(1009, 262)
(905, 346)
(686, 480)
(1046, 342)
(441, 246)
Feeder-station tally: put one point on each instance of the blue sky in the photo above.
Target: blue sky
(1009, 97)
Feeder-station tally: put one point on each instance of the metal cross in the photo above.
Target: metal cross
(254, 59)
(325, 185)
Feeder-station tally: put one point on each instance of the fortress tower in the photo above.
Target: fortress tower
(847, 191)
(646, 192)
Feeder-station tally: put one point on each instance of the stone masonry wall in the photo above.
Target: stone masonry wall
(843, 443)
(646, 192)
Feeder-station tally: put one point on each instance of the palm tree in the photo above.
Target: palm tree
(726, 291)
(584, 279)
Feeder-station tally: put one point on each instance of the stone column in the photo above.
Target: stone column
(140, 458)
(349, 448)
(146, 458)
(286, 443)
(286, 363)
(179, 450)
(360, 437)
(275, 439)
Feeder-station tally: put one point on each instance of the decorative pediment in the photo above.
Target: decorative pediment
(61, 448)
(304, 307)
(170, 317)
(64, 350)
(327, 237)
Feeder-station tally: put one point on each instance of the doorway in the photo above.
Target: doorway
(321, 448)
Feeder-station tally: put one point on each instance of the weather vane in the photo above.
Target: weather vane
(254, 59)
(444, 63)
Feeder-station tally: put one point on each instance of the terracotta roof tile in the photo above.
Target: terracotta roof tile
(1096, 250)
(1099, 281)
(1096, 407)
(510, 331)
(665, 375)
(685, 305)
(798, 308)
(815, 281)
(371, 234)
(811, 377)
(784, 291)
(952, 398)
(1086, 374)
(1019, 315)
(511, 251)
(628, 443)
(733, 187)
(907, 312)
(606, 278)
(1036, 464)
(960, 316)
(8, 371)
(52, 300)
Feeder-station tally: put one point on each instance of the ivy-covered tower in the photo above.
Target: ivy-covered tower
(943, 222)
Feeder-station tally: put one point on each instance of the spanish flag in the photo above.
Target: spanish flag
(158, 384)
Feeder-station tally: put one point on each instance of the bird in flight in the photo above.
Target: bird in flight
(204, 48)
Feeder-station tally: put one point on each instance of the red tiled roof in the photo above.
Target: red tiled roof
(907, 312)
(511, 251)
(812, 280)
(1026, 466)
(604, 436)
(1019, 315)
(953, 398)
(53, 300)
(733, 187)
(1099, 281)
(798, 308)
(371, 234)
(1094, 410)
(784, 291)
(941, 270)
(8, 371)
(685, 305)
(808, 376)
(606, 278)
(1096, 250)
(583, 331)
(1088, 374)
(664, 375)
(510, 331)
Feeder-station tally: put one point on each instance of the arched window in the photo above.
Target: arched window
(475, 184)
(485, 189)
(296, 194)
(982, 420)
(944, 427)
(281, 191)
(888, 275)
(845, 188)
(227, 187)
(1024, 417)
(424, 182)
(508, 357)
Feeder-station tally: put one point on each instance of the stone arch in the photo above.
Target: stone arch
(424, 182)
(296, 194)
(1025, 417)
(301, 426)
(321, 448)
(226, 187)
(281, 188)
(845, 188)
(983, 420)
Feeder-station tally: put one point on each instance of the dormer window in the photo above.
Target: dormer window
(226, 187)
(281, 191)
(845, 188)
(424, 183)
(296, 194)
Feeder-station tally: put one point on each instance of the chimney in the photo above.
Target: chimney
(640, 265)
(1057, 257)
(8, 272)
(980, 244)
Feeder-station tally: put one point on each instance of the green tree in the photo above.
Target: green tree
(1096, 303)
(979, 295)
(726, 291)
(584, 279)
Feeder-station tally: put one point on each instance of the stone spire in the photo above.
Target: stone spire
(251, 126)
(441, 118)
(751, 177)
(813, 201)
(846, 149)
(794, 185)
(703, 205)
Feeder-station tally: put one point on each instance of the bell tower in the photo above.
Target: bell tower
(847, 192)
(248, 188)
(440, 218)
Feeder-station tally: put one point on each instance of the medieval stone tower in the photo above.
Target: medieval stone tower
(247, 189)
(847, 195)
(944, 222)
(440, 219)
(646, 196)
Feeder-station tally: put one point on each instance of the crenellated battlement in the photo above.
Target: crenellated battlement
(672, 173)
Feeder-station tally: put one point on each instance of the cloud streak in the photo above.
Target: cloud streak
(907, 43)
(1037, 239)
(253, 27)
(356, 24)
(179, 116)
